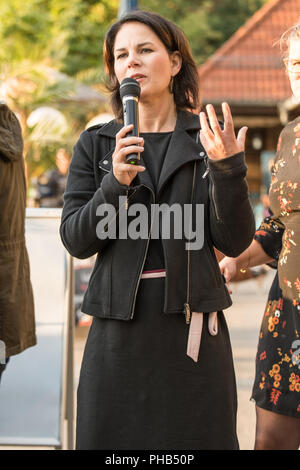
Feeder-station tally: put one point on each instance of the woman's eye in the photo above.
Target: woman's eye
(121, 56)
(146, 50)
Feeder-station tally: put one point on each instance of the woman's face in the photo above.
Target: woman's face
(294, 66)
(140, 54)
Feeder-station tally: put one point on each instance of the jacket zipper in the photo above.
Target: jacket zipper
(207, 172)
(126, 205)
(106, 227)
(187, 308)
(143, 263)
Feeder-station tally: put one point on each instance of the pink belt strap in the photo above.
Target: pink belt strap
(153, 273)
(195, 332)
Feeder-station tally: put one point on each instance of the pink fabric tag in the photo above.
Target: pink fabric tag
(213, 323)
(195, 332)
(153, 274)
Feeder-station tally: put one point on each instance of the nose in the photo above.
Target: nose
(133, 60)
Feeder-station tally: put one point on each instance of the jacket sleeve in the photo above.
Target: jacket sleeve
(232, 223)
(269, 236)
(81, 200)
(271, 230)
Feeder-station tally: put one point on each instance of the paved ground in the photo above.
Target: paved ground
(244, 319)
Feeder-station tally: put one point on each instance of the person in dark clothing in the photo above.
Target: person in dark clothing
(17, 323)
(144, 384)
(51, 185)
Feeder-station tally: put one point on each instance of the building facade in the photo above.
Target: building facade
(249, 74)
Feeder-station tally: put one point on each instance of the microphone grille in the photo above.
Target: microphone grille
(130, 86)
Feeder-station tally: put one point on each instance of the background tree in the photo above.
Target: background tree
(207, 23)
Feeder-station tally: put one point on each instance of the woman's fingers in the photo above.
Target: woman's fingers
(130, 168)
(205, 129)
(228, 121)
(241, 138)
(204, 140)
(227, 274)
(124, 131)
(224, 270)
(126, 141)
(126, 145)
(228, 288)
(120, 155)
(213, 120)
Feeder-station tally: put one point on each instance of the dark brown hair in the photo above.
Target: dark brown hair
(185, 83)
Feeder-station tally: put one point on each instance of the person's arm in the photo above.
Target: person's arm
(253, 256)
(264, 249)
(81, 200)
(81, 219)
(232, 223)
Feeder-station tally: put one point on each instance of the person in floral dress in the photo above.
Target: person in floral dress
(276, 388)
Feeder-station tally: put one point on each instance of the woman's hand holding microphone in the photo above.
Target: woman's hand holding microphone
(125, 172)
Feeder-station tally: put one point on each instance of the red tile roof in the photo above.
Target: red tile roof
(248, 68)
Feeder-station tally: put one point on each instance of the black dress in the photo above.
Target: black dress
(277, 382)
(138, 389)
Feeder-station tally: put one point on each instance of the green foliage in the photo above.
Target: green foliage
(87, 26)
(207, 23)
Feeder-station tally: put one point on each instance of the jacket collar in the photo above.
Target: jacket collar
(182, 149)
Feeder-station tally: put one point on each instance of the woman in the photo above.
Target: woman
(138, 388)
(276, 389)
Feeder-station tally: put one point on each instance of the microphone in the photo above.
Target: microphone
(130, 91)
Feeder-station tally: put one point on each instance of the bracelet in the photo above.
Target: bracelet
(243, 270)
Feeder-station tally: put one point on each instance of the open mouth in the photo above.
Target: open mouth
(138, 77)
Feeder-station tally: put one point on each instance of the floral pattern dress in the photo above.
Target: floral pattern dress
(277, 381)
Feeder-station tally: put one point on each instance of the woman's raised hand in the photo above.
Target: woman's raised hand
(125, 172)
(220, 143)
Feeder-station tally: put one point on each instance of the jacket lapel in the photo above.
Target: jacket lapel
(183, 148)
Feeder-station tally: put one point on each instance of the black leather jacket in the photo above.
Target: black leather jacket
(192, 277)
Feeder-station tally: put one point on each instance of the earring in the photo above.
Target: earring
(171, 85)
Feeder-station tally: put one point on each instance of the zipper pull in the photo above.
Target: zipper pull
(207, 168)
(187, 312)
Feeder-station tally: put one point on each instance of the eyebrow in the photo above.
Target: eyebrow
(139, 45)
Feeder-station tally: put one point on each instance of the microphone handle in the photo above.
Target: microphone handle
(131, 116)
